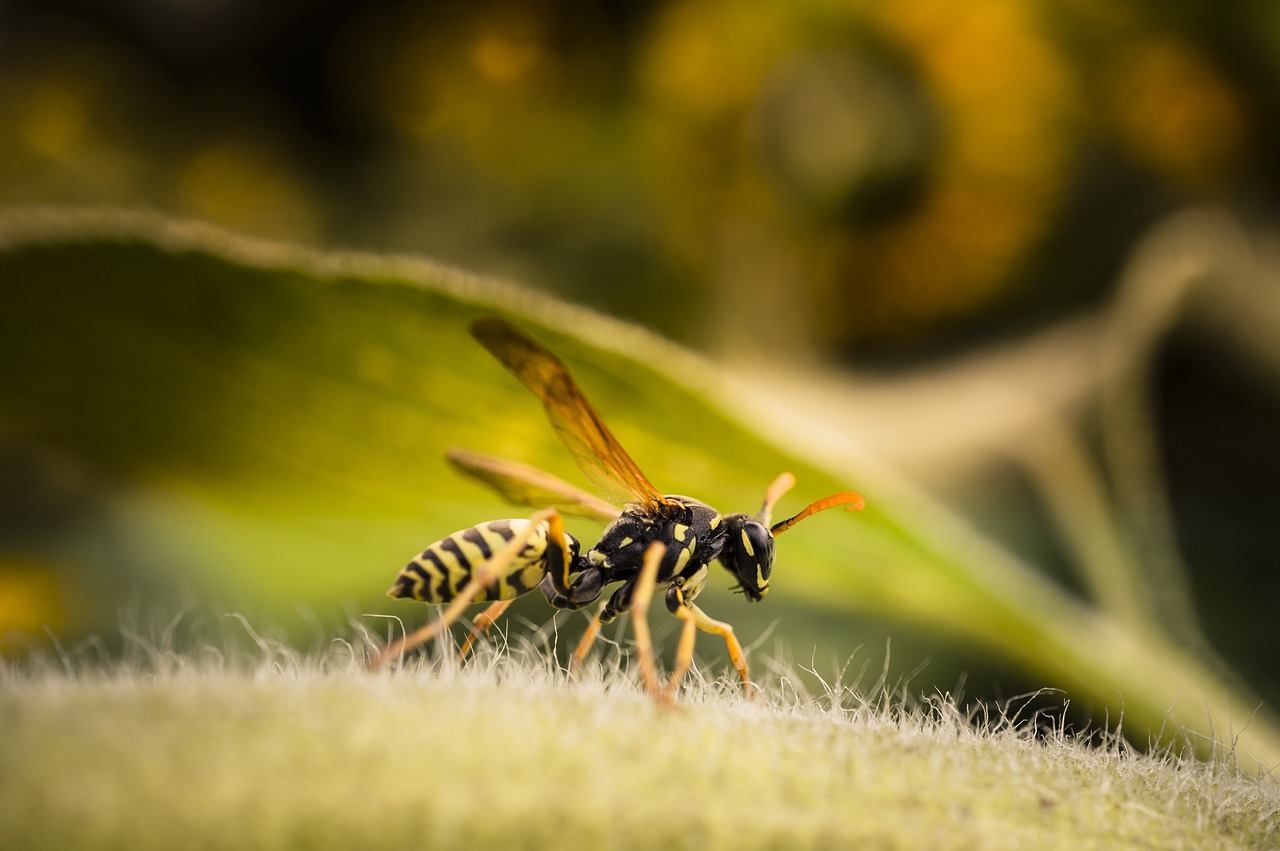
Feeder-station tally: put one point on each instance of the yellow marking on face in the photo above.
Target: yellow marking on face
(761, 582)
(746, 543)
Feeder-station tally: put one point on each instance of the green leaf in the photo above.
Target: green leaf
(187, 410)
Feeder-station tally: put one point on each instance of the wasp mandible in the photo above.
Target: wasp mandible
(652, 541)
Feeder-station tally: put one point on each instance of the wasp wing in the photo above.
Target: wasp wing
(579, 426)
(520, 484)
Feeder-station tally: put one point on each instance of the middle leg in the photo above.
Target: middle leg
(696, 619)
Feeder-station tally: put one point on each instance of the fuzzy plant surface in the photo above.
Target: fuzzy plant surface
(189, 413)
(279, 749)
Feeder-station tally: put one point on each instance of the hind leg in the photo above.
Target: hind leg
(485, 575)
(585, 643)
(481, 624)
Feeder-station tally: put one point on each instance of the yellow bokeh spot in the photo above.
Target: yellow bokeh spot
(235, 184)
(1175, 113)
(709, 58)
(30, 600)
(506, 49)
(55, 123)
(1003, 92)
(1003, 97)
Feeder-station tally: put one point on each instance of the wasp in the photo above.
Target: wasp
(651, 541)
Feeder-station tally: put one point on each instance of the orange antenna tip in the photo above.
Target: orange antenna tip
(853, 501)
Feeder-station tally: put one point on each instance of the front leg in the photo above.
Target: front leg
(696, 619)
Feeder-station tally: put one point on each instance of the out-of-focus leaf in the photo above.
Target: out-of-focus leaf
(266, 425)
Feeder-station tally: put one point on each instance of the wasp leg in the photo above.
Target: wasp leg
(584, 645)
(695, 618)
(684, 649)
(484, 576)
(587, 585)
(481, 624)
(558, 558)
(558, 563)
(640, 598)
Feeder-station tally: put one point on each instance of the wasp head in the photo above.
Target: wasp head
(748, 553)
(748, 549)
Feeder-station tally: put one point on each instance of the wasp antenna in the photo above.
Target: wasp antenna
(854, 501)
(780, 486)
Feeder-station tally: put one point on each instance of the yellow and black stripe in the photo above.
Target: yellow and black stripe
(445, 567)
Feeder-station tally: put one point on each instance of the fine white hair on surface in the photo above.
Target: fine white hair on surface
(250, 742)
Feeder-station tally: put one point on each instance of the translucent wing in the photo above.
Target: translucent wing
(521, 484)
(596, 450)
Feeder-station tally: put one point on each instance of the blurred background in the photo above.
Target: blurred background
(907, 174)
(969, 219)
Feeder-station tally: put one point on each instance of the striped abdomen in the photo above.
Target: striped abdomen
(445, 567)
